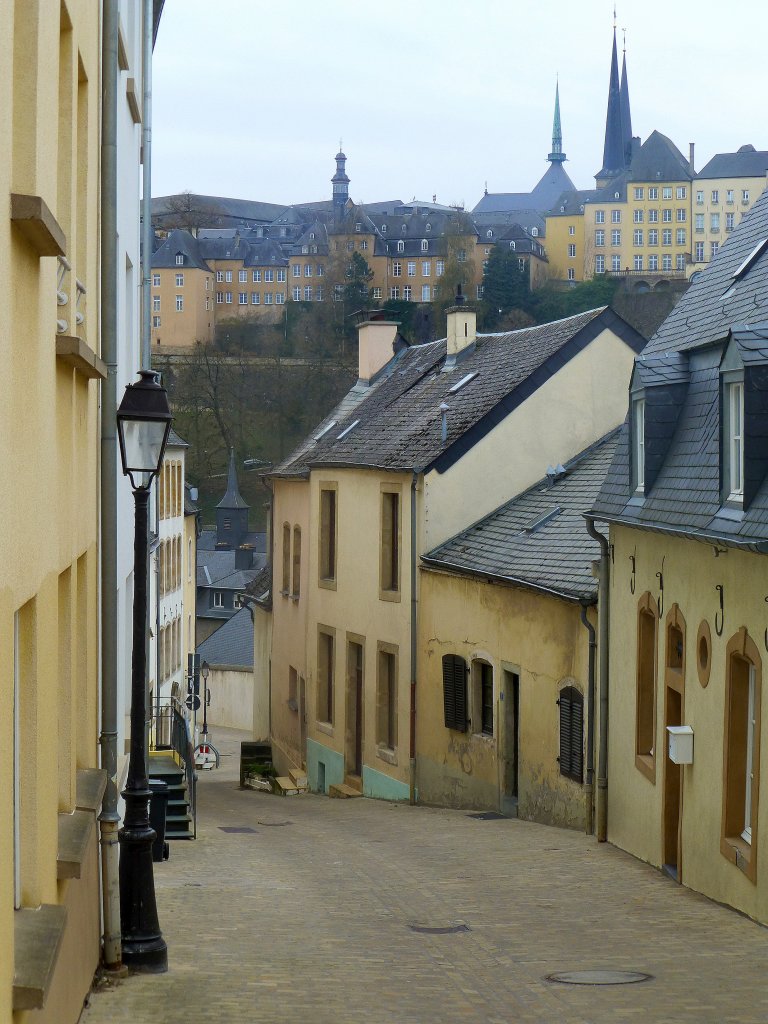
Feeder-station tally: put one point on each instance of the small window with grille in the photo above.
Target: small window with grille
(571, 705)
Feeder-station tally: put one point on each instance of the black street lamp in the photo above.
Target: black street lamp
(143, 423)
(205, 669)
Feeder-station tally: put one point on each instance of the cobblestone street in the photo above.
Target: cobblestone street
(308, 918)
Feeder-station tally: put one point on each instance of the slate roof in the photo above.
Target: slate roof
(395, 422)
(231, 644)
(729, 298)
(659, 159)
(746, 162)
(175, 440)
(542, 196)
(217, 209)
(183, 242)
(537, 539)
(260, 587)
(217, 569)
(207, 541)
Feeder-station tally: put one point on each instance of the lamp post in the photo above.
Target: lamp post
(205, 669)
(143, 423)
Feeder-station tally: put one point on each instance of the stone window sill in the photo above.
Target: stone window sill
(37, 936)
(387, 754)
(325, 727)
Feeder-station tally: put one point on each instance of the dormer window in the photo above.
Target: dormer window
(401, 246)
(404, 229)
(638, 445)
(428, 228)
(512, 245)
(424, 245)
(179, 259)
(358, 227)
(311, 236)
(734, 393)
(535, 232)
(489, 233)
(383, 229)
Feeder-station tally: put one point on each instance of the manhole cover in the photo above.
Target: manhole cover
(275, 824)
(237, 829)
(448, 929)
(488, 816)
(599, 977)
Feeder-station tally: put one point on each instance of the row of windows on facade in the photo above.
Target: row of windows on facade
(741, 735)
(638, 263)
(169, 648)
(169, 564)
(729, 196)
(469, 704)
(638, 238)
(387, 669)
(171, 489)
(389, 540)
(668, 214)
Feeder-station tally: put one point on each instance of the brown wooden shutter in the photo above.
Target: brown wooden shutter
(455, 692)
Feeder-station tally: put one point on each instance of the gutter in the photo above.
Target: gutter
(589, 787)
(414, 606)
(603, 635)
(146, 186)
(109, 818)
(703, 537)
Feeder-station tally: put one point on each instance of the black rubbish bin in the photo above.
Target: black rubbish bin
(158, 807)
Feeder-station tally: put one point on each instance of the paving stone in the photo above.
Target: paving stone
(311, 923)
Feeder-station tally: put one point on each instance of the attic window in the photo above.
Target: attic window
(383, 229)
(311, 236)
(358, 227)
(460, 383)
(179, 259)
(534, 232)
(512, 245)
(401, 246)
(428, 228)
(756, 253)
(617, 195)
(424, 245)
(541, 519)
(326, 428)
(347, 430)
(489, 233)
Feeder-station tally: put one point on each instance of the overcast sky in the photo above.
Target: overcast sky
(438, 97)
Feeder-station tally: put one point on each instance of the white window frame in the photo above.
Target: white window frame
(179, 303)
(638, 444)
(749, 773)
(735, 392)
(242, 276)
(155, 280)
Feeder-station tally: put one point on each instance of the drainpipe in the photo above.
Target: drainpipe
(412, 795)
(109, 818)
(589, 789)
(603, 627)
(146, 189)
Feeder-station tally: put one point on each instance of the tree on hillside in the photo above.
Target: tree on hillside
(553, 303)
(460, 242)
(505, 286)
(356, 289)
(189, 212)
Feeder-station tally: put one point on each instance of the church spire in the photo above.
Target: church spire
(626, 117)
(340, 182)
(231, 512)
(557, 155)
(613, 150)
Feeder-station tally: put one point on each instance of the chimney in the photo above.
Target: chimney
(244, 557)
(691, 167)
(375, 346)
(462, 327)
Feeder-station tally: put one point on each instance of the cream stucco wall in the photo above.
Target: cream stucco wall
(691, 572)
(580, 403)
(290, 504)
(50, 452)
(540, 638)
(355, 612)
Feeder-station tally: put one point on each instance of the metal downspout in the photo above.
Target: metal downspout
(109, 818)
(589, 788)
(146, 190)
(412, 794)
(603, 628)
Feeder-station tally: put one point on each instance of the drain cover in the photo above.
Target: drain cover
(599, 977)
(237, 829)
(488, 816)
(448, 929)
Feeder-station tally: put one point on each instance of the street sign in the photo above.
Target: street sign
(193, 703)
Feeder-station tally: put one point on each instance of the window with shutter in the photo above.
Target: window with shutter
(455, 692)
(571, 704)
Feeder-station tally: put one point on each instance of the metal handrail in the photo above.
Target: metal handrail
(170, 731)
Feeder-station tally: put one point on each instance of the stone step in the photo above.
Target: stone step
(343, 792)
(298, 777)
(285, 786)
(354, 782)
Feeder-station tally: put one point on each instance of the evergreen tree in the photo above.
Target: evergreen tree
(505, 285)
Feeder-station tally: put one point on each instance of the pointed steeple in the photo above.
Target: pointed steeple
(613, 150)
(231, 512)
(626, 117)
(340, 182)
(557, 156)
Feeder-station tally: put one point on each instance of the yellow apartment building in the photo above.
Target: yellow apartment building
(50, 782)
(183, 294)
(724, 190)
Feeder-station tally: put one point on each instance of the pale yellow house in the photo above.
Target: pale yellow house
(507, 685)
(388, 475)
(723, 191)
(50, 785)
(687, 503)
(183, 294)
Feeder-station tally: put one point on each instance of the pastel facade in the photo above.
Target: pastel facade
(343, 645)
(686, 500)
(50, 785)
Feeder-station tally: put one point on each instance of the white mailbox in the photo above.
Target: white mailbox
(680, 744)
